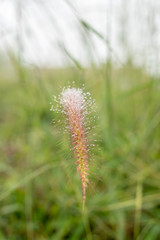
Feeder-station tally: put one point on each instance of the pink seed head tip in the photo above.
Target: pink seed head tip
(72, 98)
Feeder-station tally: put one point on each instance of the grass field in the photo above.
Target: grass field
(40, 192)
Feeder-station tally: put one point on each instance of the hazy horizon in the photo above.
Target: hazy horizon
(39, 31)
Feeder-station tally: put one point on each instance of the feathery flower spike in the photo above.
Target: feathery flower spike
(74, 104)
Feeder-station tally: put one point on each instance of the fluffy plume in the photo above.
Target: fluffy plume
(74, 104)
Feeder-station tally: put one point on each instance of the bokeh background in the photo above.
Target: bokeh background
(112, 47)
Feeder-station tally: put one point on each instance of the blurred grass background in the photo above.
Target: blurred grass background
(40, 192)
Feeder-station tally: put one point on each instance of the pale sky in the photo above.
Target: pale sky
(130, 26)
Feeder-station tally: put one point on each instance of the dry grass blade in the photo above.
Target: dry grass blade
(149, 199)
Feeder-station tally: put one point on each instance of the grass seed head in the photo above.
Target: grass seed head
(74, 104)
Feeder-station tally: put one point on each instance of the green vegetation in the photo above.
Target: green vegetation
(40, 192)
